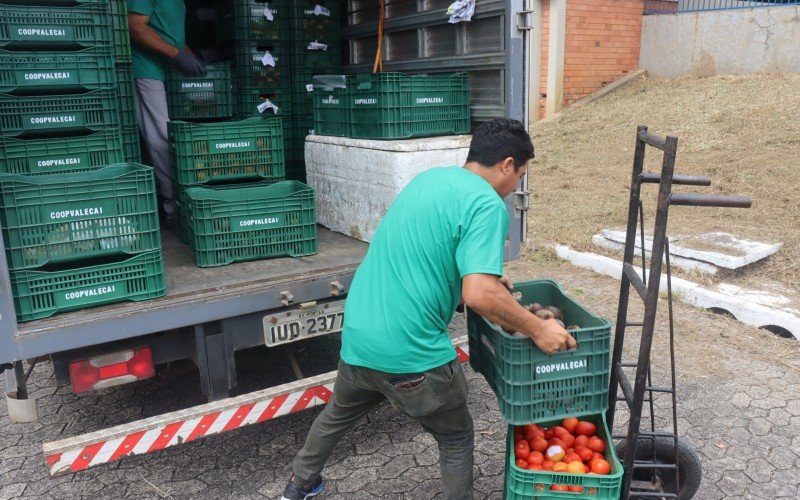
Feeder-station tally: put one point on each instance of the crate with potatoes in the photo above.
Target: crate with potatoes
(558, 443)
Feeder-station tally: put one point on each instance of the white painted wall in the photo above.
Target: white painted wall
(722, 42)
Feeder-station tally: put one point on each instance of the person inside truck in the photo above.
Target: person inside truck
(441, 240)
(157, 34)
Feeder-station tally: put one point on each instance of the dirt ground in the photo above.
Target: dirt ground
(742, 131)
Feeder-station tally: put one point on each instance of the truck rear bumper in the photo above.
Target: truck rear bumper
(171, 429)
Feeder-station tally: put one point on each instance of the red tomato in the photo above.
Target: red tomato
(586, 469)
(573, 457)
(596, 444)
(521, 463)
(521, 450)
(535, 467)
(568, 440)
(548, 434)
(575, 489)
(536, 457)
(585, 453)
(569, 424)
(585, 428)
(559, 487)
(599, 455)
(557, 441)
(559, 431)
(580, 441)
(601, 467)
(539, 433)
(547, 464)
(538, 444)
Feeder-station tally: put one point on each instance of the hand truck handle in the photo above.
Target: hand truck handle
(710, 200)
(686, 180)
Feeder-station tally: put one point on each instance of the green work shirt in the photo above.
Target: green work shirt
(446, 223)
(167, 18)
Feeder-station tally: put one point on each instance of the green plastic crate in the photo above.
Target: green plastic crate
(254, 103)
(49, 72)
(183, 219)
(59, 155)
(245, 20)
(94, 111)
(201, 97)
(399, 106)
(532, 386)
(38, 27)
(254, 70)
(331, 110)
(317, 56)
(249, 149)
(131, 145)
(316, 19)
(523, 484)
(127, 113)
(42, 293)
(61, 218)
(252, 223)
(118, 12)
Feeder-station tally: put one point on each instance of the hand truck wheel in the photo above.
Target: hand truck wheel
(690, 472)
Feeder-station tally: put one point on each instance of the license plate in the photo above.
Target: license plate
(299, 324)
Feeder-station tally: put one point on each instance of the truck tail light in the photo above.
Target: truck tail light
(111, 369)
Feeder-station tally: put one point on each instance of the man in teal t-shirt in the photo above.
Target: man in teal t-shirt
(441, 240)
(157, 29)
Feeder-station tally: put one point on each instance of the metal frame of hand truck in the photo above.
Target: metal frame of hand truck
(634, 396)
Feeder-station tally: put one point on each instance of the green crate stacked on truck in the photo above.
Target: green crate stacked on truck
(399, 106)
(252, 223)
(66, 235)
(203, 97)
(223, 155)
(315, 50)
(58, 105)
(535, 388)
(263, 78)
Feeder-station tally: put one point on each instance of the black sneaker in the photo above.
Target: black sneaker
(296, 492)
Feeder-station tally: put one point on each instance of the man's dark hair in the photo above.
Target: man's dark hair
(498, 139)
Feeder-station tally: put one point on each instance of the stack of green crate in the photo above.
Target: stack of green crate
(393, 106)
(81, 239)
(126, 86)
(259, 33)
(315, 50)
(532, 387)
(77, 232)
(223, 156)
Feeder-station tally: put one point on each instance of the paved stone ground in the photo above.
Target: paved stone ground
(739, 405)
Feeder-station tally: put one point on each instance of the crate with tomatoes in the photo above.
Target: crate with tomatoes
(558, 442)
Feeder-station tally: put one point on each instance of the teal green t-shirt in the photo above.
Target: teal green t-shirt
(446, 223)
(167, 18)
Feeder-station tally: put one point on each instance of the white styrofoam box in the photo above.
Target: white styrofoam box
(356, 180)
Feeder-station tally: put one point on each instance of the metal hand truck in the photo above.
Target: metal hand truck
(657, 464)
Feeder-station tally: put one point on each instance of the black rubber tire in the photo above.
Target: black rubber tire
(690, 471)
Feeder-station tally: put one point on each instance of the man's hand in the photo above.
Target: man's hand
(506, 282)
(189, 64)
(551, 338)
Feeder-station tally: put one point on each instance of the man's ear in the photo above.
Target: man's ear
(508, 164)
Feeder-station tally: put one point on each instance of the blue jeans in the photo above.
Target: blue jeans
(437, 399)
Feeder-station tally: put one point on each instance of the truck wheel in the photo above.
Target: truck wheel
(690, 472)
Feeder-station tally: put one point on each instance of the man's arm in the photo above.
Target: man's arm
(488, 296)
(144, 35)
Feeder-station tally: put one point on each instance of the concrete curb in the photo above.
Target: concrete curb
(749, 313)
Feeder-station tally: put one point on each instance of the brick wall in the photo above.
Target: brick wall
(603, 39)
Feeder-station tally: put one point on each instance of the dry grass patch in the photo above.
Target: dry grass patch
(742, 131)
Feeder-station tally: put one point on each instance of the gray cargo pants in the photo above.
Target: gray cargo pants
(152, 112)
(437, 399)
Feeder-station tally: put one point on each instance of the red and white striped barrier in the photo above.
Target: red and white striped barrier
(183, 426)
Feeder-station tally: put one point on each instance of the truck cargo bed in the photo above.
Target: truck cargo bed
(196, 295)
